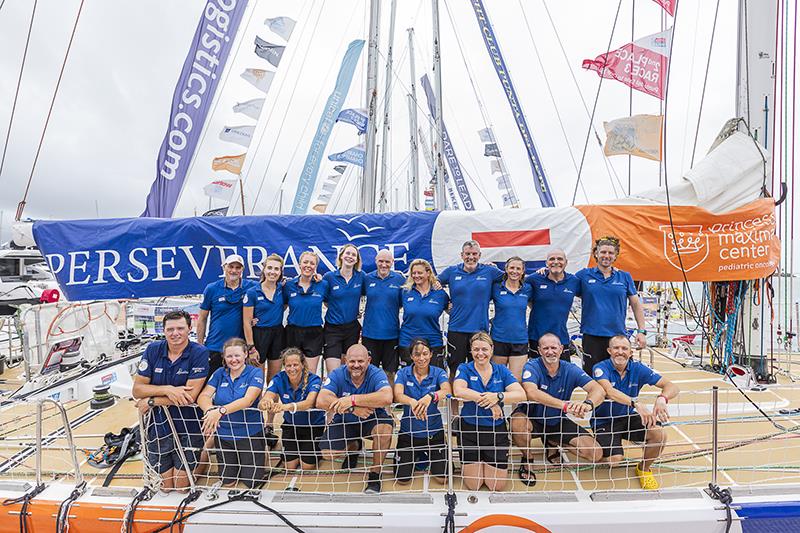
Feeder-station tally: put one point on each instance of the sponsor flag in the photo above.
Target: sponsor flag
(320, 208)
(220, 189)
(639, 135)
(308, 176)
(502, 181)
(231, 163)
(641, 65)
(282, 26)
(324, 197)
(329, 187)
(202, 68)
(508, 200)
(668, 5)
(491, 150)
(271, 52)
(340, 168)
(356, 117)
(259, 78)
(250, 108)
(495, 166)
(486, 135)
(219, 212)
(354, 156)
(241, 135)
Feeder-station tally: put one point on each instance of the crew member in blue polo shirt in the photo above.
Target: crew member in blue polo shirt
(549, 384)
(345, 285)
(357, 394)
(263, 310)
(293, 392)
(305, 296)
(511, 297)
(422, 310)
(171, 373)
(419, 388)
(483, 435)
(623, 417)
(470, 285)
(552, 294)
(606, 292)
(222, 305)
(381, 332)
(230, 405)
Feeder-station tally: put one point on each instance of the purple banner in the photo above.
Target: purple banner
(191, 101)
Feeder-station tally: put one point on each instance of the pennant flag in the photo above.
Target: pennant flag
(668, 5)
(320, 208)
(496, 166)
(509, 200)
(282, 26)
(333, 178)
(308, 176)
(241, 135)
(641, 65)
(259, 78)
(356, 117)
(503, 181)
(324, 197)
(231, 163)
(250, 108)
(219, 212)
(202, 70)
(354, 155)
(486, 135)
(491, 150)
(220, 189)
(639, 135)
(329, 187)
(271, 52)
(340, 168)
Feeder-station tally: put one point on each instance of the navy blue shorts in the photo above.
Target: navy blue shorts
(338, 434)
(162, 454)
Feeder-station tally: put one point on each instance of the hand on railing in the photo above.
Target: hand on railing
(180, 395)
(211, 421)
(420, 407)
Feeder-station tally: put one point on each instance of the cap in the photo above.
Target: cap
(233, 258)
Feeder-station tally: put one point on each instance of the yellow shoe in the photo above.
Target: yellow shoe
(646, 479)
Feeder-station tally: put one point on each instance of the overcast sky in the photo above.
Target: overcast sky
(98, 157)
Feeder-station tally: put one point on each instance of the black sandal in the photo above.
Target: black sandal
(526, 474)
(554, 457)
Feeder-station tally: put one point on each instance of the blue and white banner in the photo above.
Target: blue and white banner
(448, 151)
(308, 177)
(354, 155)
(191, 101)
(356, 117)
(493, 47)
(135, 258)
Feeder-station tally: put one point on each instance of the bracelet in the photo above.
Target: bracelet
(436, 397)
(353, 400)
(666, 400)
(564, 407)
(294, 407)
(642, 331)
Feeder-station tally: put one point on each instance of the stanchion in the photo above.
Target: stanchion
(714, 433)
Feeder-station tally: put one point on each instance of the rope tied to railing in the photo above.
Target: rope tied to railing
(725, 498)
(25, 500)
(190, 498)
(450, 521)
(62, 518)
(127, 520)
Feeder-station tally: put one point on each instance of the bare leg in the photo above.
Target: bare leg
(472, 474)
(500, 360)
(381, 441)
(516, 364)
(586, 448)
(332, 363)
(494, 478)
(521, 434)
(654, 444)
(312, 363)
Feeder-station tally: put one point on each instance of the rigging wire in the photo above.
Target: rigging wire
(19, 83)
(705, 82)
(690, 84)
(594, 107)
(21, 206)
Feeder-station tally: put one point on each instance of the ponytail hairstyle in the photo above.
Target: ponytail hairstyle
(299, 353)
(271, 257)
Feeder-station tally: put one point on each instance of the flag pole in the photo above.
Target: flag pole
(387, 109)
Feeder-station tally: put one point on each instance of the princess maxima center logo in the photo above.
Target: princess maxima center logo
(687, 240)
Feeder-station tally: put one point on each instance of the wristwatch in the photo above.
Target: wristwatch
(500, 397)
(151, 402)
(222, 410)
(589, 403)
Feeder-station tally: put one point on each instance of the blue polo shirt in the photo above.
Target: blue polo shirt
(508, 324)
(281, 386)
(339, 383)
(247, 421)
(470, 294)
(268, 312)
(413, 388)
(382, 313)
(305, 306)
(568, 378)
(343, 297)
(552, 302)
(637, 375)
(225, 312)
(501, 378)
(604, 301)
(192, 364)
(421, 316)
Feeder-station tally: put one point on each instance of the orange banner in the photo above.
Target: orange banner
(740, 244)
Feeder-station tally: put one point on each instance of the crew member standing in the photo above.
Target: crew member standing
(381, 332)
(345, 285)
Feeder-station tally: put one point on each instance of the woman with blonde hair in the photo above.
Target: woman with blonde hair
(305, 296)
(511, 297)
(293, 392)
(422, 309)
(346, 284)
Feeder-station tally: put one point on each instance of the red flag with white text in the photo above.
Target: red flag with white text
(641, 64)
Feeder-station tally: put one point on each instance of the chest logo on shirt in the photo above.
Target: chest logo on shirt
(542, 286)
(158, 370)
(457, 278)
(473, 378)
(292, 295)
(336, 287)
(181, 372)
(223, 385)
(373, 284)
(409, 384)
(142, 365)
(568, 291)
(196, 369)
(503, 293)
(260, 298)
(617, 283)
(592, 281)
(222, 299)
(410, 299)
(481, 278)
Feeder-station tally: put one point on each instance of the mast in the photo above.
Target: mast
(412, 117)
(438, 141)
(387, 107)
(367, 201)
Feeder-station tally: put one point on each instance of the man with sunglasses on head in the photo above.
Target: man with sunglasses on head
(221, 309)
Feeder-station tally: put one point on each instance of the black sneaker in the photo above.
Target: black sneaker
(373, 483)
(270, 437)
(351, 459)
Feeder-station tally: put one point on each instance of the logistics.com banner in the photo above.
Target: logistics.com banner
(140, 257)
